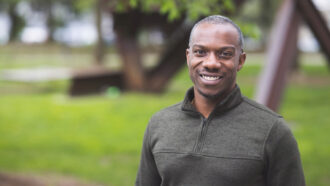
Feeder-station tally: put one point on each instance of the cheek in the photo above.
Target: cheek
(233, 65)
(193, 65)
(191, 70)
(229, 66)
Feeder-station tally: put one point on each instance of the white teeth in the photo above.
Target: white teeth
(210, 78)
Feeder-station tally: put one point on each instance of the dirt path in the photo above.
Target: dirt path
(11, 179)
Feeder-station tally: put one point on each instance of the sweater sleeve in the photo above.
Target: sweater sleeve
(283, 164)
(147, 174)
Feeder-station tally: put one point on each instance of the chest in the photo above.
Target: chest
(209, 152)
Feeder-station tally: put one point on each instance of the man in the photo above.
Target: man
(216, 136)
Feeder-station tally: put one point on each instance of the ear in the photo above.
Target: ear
(187, 56)
(241, 61)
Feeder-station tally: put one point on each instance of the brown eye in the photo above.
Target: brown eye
(226, 54)
(199, 52)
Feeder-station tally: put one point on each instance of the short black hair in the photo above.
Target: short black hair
(218, 19)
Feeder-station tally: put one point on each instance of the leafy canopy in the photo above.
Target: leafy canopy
(174, 9)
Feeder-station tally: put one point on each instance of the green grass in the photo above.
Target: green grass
(43, 131)
(307, 109)
(94, 138)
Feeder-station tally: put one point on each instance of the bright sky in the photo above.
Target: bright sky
(4, 25)
(322, 4)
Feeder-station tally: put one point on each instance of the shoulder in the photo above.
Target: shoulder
(166, 121)
(280, 143)
(264, 112)
(277, 127)
(277, 131)
(167, 112)
(163, 116)
(252, 115)
(258, 108)
(257, 113)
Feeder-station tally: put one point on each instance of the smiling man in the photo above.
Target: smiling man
(216, 136)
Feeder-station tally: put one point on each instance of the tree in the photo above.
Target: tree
(100, 48)
(53, 21)
(17, 22)
(132, 16)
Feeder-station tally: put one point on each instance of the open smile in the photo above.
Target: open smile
(210, 77)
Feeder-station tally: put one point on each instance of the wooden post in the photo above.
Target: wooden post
(280, 54)
(282, 50)
(317, 24)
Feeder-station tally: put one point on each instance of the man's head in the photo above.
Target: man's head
(214, 56)
(218, 19)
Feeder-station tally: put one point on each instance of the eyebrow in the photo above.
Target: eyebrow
(222, 48)
(200, 46)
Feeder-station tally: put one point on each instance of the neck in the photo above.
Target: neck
(205, 105)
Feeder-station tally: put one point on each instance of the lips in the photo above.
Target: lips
(210, 77)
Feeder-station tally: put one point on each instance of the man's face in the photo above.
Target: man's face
(213, 59)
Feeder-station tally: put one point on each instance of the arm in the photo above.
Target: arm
(283, 164)
(147, 174)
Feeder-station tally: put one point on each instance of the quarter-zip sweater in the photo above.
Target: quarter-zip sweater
(241, 143)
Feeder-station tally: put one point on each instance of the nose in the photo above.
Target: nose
(212, 63)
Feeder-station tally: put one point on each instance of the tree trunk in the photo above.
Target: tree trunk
(126, 26)
(132, 66)
(99, 49)
(51, 25)
(17, 23)
(171, 61)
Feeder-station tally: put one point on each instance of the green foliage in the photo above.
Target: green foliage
(174, 9)
(249, 29)
(197, 8)
(83, 4)
(170, 8)
(133, 3)
(9, 1)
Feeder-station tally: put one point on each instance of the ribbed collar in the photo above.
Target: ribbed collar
(231, 101)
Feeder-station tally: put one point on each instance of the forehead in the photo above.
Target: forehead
(217, 35)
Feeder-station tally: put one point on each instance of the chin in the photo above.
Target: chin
(210, 95)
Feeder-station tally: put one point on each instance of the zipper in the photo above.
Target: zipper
(201, 136)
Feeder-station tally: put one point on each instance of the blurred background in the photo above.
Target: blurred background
(79, 80)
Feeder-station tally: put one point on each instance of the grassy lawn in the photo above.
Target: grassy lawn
(98, 138)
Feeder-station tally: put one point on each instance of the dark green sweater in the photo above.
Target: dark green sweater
(241, 143)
